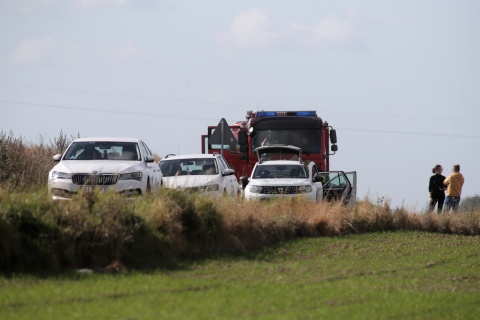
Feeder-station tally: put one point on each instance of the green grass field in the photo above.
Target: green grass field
(409, 275)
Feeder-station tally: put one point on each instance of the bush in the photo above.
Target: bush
(27, 238)
(105, 231)
(24, 166)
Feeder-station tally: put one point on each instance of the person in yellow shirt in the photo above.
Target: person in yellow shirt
(454, 184)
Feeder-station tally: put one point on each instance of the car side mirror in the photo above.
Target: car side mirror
(242, 137)
(318, 178)
(333, 136)
(149, 159)
(57, 157)
(334, 148)
(244, 181)
(228, 172)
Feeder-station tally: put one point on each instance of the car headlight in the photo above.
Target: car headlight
(304, 189)
(210, 187)
(255, 189)
(131, 176)
(61, 175)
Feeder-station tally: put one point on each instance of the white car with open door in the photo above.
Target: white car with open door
(280, 173)
(338, 186)
(124, 165)
(203, 173)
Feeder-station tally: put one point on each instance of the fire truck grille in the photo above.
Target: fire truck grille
(280, 190)
(95, 180)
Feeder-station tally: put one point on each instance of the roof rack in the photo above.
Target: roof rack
(262, 160)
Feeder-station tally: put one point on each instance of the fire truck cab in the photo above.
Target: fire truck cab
(303, 129)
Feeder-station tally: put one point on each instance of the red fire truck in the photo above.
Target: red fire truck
(303, 129)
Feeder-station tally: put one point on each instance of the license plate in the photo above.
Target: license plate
(90, 189)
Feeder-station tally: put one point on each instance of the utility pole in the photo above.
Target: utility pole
(221, 148)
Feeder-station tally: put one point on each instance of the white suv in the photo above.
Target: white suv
(284, 176)
(124, 165)
(206, 173)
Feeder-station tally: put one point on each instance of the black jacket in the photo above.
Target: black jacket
(436, 182)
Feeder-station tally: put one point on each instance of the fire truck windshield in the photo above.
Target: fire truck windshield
(309, 140)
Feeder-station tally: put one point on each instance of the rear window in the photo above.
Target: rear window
(183, 167)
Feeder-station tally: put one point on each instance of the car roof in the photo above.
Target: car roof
(191, 156)
(107, 139)
(277, 147)
(280, 162)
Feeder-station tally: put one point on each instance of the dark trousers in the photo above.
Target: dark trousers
(437, 199)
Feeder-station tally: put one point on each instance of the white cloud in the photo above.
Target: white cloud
(326, 32)
(33, 51)
(254, 29)
(48, 51)
(250, 29)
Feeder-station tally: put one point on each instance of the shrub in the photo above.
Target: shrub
(24, 166)
(102, 230)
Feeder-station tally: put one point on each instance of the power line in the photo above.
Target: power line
(125, 95)
(135, 113)
(411, 133)
(403, 116)
(363, 114)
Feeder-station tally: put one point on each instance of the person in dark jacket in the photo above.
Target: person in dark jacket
(437, 189)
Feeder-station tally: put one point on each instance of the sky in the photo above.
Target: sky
(399, 80)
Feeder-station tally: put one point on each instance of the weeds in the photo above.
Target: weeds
(24, 166)
(103, 230)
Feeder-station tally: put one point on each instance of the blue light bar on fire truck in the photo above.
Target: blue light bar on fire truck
(286, 114)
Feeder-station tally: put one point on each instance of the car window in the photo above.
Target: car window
(147, 149)
(92, 150)
(334, 179)
(224, 162)
(314, 170)
(193, 166)
(279, 171)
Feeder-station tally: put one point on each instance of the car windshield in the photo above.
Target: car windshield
(183, 167)
(101, 150)
(272, 153)
(308, 140)
(279, 171)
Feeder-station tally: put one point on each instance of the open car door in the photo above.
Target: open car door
(337, 186)
(352, 177)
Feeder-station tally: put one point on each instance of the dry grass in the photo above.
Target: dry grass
(102, 230)
(25, 165)
(253, 223)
